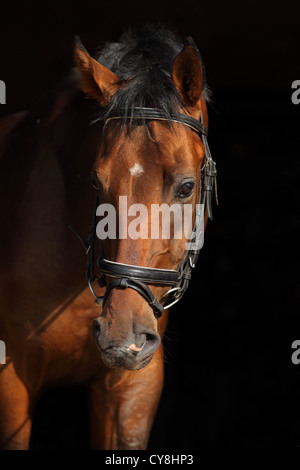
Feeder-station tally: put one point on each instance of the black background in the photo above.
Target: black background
(230, 382)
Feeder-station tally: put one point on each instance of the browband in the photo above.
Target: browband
(161, 115)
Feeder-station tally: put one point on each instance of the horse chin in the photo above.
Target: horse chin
(124, 362)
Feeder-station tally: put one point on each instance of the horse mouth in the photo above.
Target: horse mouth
(122, 358)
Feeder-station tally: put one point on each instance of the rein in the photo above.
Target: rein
(126, 276)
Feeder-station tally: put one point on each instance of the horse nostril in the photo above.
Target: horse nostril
(151, 337)
(151, 344)
(96, 330)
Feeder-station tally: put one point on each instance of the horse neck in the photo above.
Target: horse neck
(75, 142)
(50, 163)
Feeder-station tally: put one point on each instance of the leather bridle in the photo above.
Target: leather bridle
(137, 277)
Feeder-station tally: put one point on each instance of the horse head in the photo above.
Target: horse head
(148, 162)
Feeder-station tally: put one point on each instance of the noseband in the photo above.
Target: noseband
(126, 276)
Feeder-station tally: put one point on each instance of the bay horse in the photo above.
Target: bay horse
(147, 111)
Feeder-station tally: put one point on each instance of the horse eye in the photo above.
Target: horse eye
(186, 189)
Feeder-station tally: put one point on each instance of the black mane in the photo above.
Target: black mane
(144, 57)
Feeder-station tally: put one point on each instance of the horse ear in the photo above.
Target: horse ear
(96, 80)
(188, 74)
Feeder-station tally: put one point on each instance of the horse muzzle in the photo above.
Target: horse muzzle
(132, 353)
